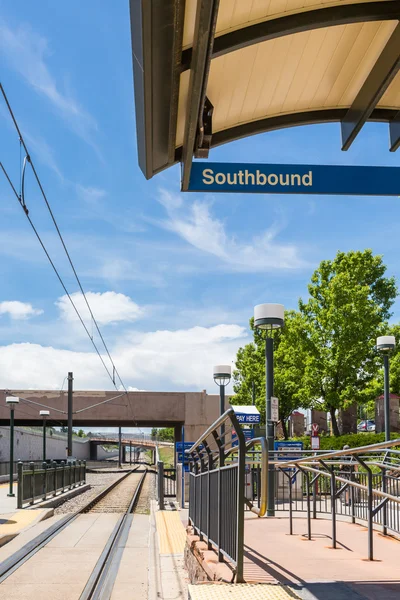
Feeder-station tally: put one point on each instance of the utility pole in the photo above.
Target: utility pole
(70, 409)
(119, 447)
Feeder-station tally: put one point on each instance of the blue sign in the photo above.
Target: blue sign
(288, 450)
(187, 446)
(294, 179)
(248, 435)
(247, 414)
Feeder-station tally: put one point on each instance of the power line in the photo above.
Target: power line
(21, 199)
(57, 273)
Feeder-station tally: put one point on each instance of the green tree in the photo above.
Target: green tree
(394, 358)
(166, 434)
(81, 433)
(349, 305)
(290, 346)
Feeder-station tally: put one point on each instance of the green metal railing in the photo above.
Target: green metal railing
(48, 479)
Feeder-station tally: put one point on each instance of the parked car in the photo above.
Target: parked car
(366, 426)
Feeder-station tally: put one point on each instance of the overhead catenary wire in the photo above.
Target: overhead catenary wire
(21, 199)
(57, 273)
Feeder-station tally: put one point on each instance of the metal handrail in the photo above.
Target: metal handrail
(212, 428)
(354, 484)
(350, 451)
(264, 476)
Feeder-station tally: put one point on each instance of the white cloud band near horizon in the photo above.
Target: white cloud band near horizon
(159, 360)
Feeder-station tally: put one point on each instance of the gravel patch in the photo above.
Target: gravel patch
(147, 493)
(98, 482)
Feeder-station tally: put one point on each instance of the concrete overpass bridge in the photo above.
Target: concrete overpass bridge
(127, 442)
(195, 410)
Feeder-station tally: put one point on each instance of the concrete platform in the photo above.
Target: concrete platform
(13, 521)
(61, 569)
(315, 571)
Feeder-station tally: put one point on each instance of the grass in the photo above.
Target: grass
(167, 456)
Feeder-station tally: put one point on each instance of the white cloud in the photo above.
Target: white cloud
(196, 226)
(107, 307)
(179, 359)
(18, 310)
(26, 51)
(159, 360)
(89, 194)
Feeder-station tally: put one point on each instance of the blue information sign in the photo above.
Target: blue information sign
(248, 435)
(186, 445)
(294, 179)
(288, 450)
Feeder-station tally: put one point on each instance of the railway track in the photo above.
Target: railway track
(102, 579)
(130, 485)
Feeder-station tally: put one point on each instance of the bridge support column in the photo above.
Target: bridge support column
(177, 438)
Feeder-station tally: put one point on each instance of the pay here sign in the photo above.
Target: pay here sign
(294, 179)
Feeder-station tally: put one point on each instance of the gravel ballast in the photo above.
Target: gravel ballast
(97, 481)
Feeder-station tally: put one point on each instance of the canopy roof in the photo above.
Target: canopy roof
(208, 72)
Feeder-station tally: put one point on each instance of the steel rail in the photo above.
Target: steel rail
(16, 560)
(101, 582)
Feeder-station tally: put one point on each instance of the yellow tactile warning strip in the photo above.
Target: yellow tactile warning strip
(240, 591)
(18, 520)
(171, 533)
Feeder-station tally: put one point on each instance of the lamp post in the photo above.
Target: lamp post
(12, 402)
(44, 414)
(222, 377)
(269, 317)
(385, 344)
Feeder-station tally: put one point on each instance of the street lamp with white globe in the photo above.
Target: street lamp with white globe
(268, 317)
(44, 414)
(12, 402)
(222, 377)
(386, 343)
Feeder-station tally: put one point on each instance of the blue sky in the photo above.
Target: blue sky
(172, 277)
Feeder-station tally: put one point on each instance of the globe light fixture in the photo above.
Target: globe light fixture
(12, 402)
(268, 317)
(384, 344)
(222, 374)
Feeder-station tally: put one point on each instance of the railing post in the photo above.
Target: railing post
(20, 490)
(160, 470)
(32, 468)
(44, 467)
(209, 455)
(352, 496)
(333, 500)
(370, 510)
(308, 503)
(54, 465)
(240, 499)
(219, 510)
(384, 489)
(63, 475)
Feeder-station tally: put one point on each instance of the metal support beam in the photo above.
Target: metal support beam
(70, 412)
(206, 18)
(375, 85)
(394, 131)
